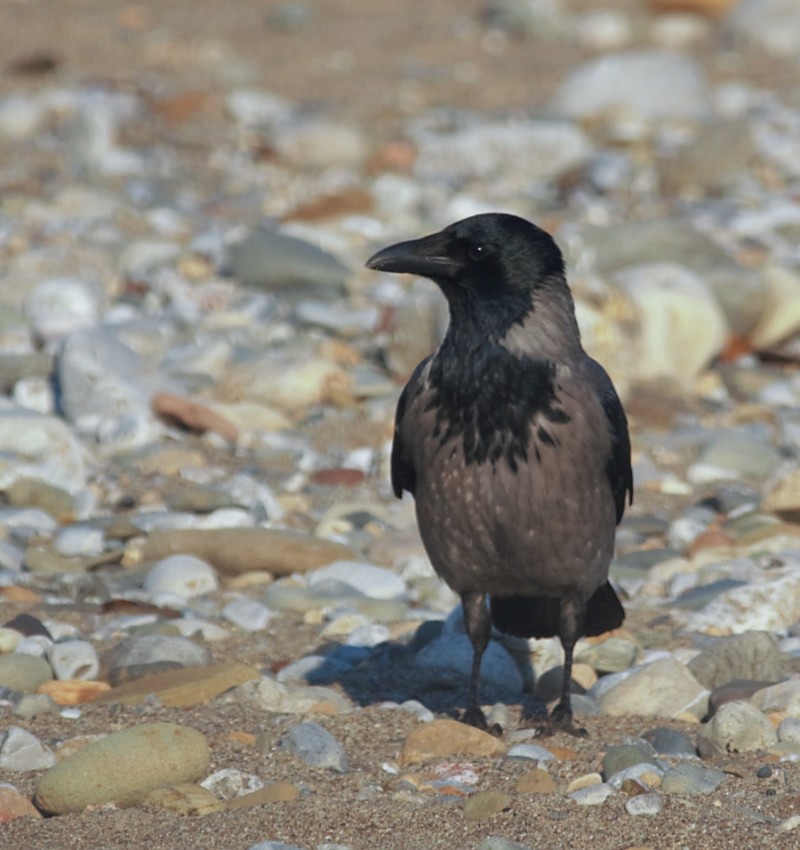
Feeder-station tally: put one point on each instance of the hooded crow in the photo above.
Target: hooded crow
(513, 442)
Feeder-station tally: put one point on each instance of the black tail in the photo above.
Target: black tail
(538, 616)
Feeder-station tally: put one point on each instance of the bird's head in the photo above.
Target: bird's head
(493, 259)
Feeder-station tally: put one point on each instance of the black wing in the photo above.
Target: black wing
(404, 476)
(618, 468)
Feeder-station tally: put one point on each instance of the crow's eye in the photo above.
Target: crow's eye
(477, 252)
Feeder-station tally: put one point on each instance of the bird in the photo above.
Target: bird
(514, 444)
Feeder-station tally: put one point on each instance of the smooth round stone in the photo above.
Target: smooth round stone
(644, 804)
(9, 638)
(315, 746)
(367, 635)
(789, 730)
(180, 575)
(530, 751)
(670, 742)
(751, 655)
(32, 705)
(21, 751)
(24, 673)
(247, 614)
(80, 540)
(651, 84)
(485, 805)
(62, 305)
(612, 655)
(33, 492)
(627, 755)
(689, 778)
(593, 795)
(374, 582)
(739, 727)
(73, 659)
(644, 773)
(124, 767)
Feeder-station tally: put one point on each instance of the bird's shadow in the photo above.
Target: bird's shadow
(387, 672)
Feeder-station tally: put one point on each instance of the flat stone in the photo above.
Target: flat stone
(21, 751)
(485, 805)
(182, 688)
(266, 694)
(374, 582)
(689, 778)
(33, 705)
(23, 673)
(592, 795)
(142, 655)
(273, 792)
(315, 746)
(536, 782)
(230, 782)
(746, 656)
(234, 551)
(441, 738)
(620, 757)
(644, 804)
(663, 688)
(180, 575)
(185, 799)
(783, 697)
(611, 655)
(670, 742)
(124, 767)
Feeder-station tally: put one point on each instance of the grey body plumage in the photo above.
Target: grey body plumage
(512, 441)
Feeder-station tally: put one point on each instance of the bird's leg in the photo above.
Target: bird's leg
(478, 625)
(571, 622)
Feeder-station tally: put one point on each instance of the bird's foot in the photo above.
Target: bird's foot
(474, 716)
(561, 720)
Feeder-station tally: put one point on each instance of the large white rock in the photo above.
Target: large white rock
(682, 325)
(36, 446)
(773, 25)
(648, 84)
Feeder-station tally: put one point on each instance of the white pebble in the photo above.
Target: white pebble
(247, 614)
(644, 804)
(73, 659)
(182, 576)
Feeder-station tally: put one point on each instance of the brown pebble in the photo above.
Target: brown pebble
(73, 691)
(187, 799)
(184, 687)
(484, 805)
(192, 415)
(275, 792)
(536, 781)
(447, 738)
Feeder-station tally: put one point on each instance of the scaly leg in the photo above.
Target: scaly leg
(571, 627)
(478, 625)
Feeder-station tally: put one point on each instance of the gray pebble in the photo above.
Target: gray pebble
(739, 727)
(529, 751)
(621, 757)
(670, 742)
(644, 804)
(248, 614)
(316, 747)
(21, 751)
(593, 795)
(690, 778)
(32, 705)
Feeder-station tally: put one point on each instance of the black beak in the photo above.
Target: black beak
(426, 257)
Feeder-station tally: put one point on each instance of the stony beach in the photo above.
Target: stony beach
(218, 628)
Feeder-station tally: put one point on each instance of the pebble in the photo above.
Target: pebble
(73, 659)
(23, 672)
(247, 614)
(181, 576)
(670, 742)
(620, 757)
(32, 705)
(592, 795)
(746, 656)
(315, 746)
(536, 781)
(20, 751)
(484, 805)
(644, 804)
(441, 738)
(124, 767)
(691, 779)
(663, 688)
(530, 751)
(374, 582)
(230, 783)
(140, 655)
